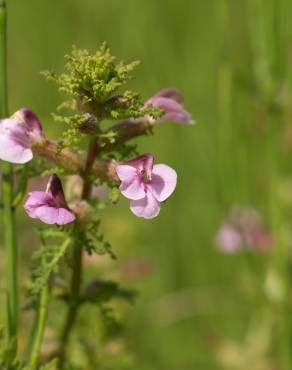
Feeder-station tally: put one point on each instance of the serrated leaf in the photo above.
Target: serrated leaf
(47, 260)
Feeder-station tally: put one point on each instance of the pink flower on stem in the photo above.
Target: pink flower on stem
(170, 101)
(49, 206)
(146, 185)
(18, 134)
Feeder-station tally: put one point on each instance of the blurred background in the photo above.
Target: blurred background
(199, 306)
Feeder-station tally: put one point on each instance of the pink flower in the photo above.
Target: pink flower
(146, 185)
(49, 206)
(229, 239)
(170, 101)
(243, 230)
(17, 136)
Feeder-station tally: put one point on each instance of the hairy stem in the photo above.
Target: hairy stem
(77, 259)
(73, 161)
(8, 210)
(92, 150)
(128, 130)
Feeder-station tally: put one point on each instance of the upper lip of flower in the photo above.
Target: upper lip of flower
(143, 165)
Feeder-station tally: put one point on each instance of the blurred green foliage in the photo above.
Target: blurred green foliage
(232, 61)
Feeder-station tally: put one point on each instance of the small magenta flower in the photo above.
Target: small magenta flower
(146, 185)
(18, 134)
(170, 101)
(49, 206)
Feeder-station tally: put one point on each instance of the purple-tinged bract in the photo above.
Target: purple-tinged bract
(50, 206)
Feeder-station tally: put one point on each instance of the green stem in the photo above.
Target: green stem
(74, 303)
(34, 346)
(8, 209)
(40, 326)
(77, 260)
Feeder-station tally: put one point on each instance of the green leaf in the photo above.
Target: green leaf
(47, 260)
(7, 353)
(52, 365)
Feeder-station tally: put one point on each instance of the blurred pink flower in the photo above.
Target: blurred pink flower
(146, 185)
(49, 206)
(243, 229)
(229, 239)
(99, 191)
(18, 134)
(137, 268)
(170, 101)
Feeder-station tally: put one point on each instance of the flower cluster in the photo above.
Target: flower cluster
(145, 184)
(243, 229)
(109, 166)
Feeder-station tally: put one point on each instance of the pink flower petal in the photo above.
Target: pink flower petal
(51, 215)
(131, 185)
(148, 207)
(36, 199)
(14, 145)
(229, 239)
(18, 134)
(173, 110)
(178, 116)
(47, 214)
(142, 163)
(13, 152)
(163, 183)
(171, 93)
(65, 216)
(126, 172)
(133, 190)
